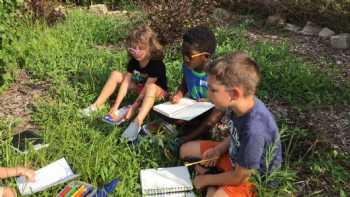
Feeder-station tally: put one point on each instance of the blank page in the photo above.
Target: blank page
(45, 177)
(168, 108)
(193, 111)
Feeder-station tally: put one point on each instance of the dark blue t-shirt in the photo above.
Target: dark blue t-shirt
(255, 139)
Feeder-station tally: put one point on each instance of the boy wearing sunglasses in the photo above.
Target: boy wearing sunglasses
(198, 46)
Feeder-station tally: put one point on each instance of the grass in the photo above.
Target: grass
(66, 56)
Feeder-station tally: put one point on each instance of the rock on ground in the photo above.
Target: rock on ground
(99, 9)
(341, 41)
(310, 29)
(326, 33)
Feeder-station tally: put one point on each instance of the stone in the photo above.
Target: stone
(310, 29)
(339, 62)
(341, 41)
(292, 27)
(275, 20)
(99, 9)
(326, 33)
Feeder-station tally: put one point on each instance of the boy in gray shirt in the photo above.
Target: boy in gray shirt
(253, 133)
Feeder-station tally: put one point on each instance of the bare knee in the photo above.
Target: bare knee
(220, 192)
(190, 149)
(211, 191)
(117, 76)
(151, 89)
(183, 151)
(9, 192)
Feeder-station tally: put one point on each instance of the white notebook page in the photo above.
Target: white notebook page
(165, 179)
(45, 177)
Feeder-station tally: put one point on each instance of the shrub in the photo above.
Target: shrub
(171, 19)
(44, 10)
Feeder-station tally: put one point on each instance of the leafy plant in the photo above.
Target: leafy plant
(170, 19)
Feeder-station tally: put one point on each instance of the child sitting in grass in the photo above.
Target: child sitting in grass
(198, 46)
(145, 75)
(11, 172)
(232, 83)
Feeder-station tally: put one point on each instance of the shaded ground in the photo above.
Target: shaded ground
(17, 102)
(331, 123)
(312, 49)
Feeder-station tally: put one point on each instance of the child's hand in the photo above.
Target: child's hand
(210, 154)
(202, 100)
(200, 181)
(176, 98)
(27, 173)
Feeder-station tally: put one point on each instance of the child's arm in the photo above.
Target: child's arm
(18, 171)
(209, 123)
(236, 177)
(216, 151)
(182, 90)
(122, 92)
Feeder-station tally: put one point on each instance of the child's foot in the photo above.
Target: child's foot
(172, 149)
(117, 117)
(201, 169)
(170, 127)
(86, 112)
(109, 120)
(132, 131)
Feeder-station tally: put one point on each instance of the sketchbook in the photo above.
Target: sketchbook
(186, 109)
(20, 142)
(46, 177)
(172, 181)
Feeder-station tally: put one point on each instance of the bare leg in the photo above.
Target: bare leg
(190, 149)
(152, 92)
(114, 79)
(211, 191)
(9, 192)
(220, 192)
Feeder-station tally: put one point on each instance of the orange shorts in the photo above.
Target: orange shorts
(224, 163)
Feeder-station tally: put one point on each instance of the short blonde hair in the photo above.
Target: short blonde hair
(236, 69)
(145, 35)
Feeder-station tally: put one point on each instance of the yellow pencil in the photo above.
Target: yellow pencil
(201, 161)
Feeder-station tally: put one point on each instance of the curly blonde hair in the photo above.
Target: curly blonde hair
(143, 34)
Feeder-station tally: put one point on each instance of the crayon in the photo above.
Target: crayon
(72, 191)
(80, 191)
(65, 191)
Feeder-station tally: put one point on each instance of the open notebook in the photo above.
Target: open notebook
(48, 176)
(172, 181)
(186, 109)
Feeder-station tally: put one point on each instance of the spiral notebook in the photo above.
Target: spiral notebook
(172, 181)
(46, 177)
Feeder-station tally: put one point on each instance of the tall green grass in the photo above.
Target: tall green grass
(66, 56)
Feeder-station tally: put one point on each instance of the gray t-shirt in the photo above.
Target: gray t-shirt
(255, 139)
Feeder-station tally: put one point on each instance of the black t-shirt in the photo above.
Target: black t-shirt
(154, 69)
